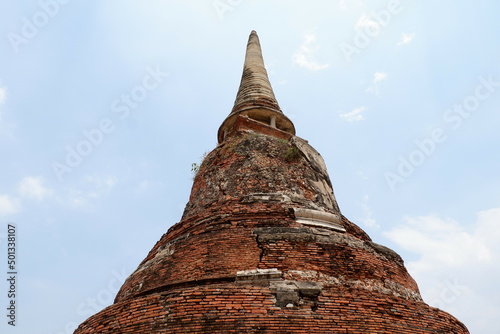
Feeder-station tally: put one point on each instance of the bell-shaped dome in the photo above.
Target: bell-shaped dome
(262, 246)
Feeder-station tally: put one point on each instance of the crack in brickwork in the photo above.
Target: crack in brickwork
(245, 258)
(216, 270)
(230, 308)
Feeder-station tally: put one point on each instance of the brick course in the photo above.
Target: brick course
(247, 308)
(262, 246)
(239, 262)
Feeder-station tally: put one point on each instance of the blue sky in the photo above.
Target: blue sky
(105, 105)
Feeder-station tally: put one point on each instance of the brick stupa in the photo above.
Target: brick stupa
(263, 248)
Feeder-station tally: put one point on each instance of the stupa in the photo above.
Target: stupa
(262, 246)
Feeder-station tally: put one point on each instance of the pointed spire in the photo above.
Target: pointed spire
(255, 88)
(255, 97)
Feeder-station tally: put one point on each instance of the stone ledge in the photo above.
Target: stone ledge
(266, 197)
(258, 274)
(319, 218)
(386, 287)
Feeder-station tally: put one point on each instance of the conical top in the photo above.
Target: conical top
(255, 97)
(255, 89)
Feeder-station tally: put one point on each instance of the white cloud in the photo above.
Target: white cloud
(406, 39)
(441, 242)
(33, 188)
(3, 95)
(368, 219)
(103, 182)
(378, 77)
(101, 185)
(366, 22)
(79, 200)
(354, 116)
(87, 194)
(9, 205)
(144, 186)
(305, 55)
(30, 188)
(456, 267)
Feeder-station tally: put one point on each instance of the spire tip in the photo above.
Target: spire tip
(255, 98)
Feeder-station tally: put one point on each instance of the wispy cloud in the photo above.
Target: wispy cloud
(368, 218)
(103, 181)
(33, 188)
(144, 185)
(3, 95)
(378, 77)
(9, 205)
(88, 193)
(79, 200)
(306, 54)
(29, 188)
(366, 21)
(451, 260)
(406, 39)
(354, 116)
(441, 242)
(102, 184)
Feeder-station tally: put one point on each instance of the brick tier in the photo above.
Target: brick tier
(262, 247)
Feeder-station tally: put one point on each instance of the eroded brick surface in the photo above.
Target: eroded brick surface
(243, 308)
(240, 262)
(262, 246)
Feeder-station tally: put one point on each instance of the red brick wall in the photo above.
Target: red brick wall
(222, 248)
(240, 217)
(245, 308)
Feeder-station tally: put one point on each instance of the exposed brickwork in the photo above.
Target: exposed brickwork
(250, 162)
(221, 250)
(198, 277)
(262, 247)
(246, 123)
(245, 308)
